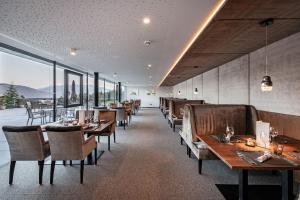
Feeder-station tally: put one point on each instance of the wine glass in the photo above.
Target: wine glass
(229, 133)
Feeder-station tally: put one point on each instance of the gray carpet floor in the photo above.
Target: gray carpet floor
(147, 162)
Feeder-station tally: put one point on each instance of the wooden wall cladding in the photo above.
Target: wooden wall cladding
(235, 31)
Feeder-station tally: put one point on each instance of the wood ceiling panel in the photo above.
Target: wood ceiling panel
(235, 31)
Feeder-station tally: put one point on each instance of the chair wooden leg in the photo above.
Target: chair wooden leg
(124, 125)
(114, 137)
(11, 171)
(31, 121)
(41, 169)
(64, 162)
(108, 143)
(71, 163)
(52, 171)
(98, 138)
(190, 151)
(27, 121)
(199, 166)
(187, 150)
(95, 152)
(181, 141)
(173, 127)
(81, 171)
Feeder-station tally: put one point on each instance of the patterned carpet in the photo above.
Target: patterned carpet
(147, 162)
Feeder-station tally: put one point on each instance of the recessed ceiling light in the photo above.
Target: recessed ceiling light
(73, 51)
(149, 65)
(146, 20)
(147, 42)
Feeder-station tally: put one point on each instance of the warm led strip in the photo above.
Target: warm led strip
(201, 29)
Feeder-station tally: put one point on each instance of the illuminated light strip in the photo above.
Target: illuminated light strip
(196, 35)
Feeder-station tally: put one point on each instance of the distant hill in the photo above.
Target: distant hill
(45, 92)
(60, 89)
(27, 92)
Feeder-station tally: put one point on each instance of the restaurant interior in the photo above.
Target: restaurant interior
(173, 99)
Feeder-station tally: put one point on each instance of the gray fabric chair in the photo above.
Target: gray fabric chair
(122, 116)
(26, 143)
(68, 143)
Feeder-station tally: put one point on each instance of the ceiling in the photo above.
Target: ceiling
(235, 31)
(110, 35)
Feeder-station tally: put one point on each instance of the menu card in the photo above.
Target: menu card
(81, 116)
(263, 134)
(96, 115)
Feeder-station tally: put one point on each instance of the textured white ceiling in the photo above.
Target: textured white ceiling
(109, 34)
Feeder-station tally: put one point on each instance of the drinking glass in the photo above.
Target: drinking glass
(229, 133)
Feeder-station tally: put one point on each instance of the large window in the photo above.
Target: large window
(91, 92)
(25, 80)
(123, 93)
(101, 92)
(109, 92)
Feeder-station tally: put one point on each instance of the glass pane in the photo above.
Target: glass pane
(123, 95)
(109, 92)
(101, 92)
(84, 91)
(26, 89)
(91, 92)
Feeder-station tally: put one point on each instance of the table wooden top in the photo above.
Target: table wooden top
(98, 129)
(228, 154)
(87, 128)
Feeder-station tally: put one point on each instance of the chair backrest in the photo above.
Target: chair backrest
(176, 104)
(213, 119)
(65, 142)
(108, 115)
(25, 142)
(121, 114)
(28, 104)
(88, 114)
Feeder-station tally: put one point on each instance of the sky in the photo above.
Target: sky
(22, 71)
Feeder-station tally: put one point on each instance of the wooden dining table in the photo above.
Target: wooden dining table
(89, 129)
(285, 163)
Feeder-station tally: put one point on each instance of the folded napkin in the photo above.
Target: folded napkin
(263, 158)
(200, 145)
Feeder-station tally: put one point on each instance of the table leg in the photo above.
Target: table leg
(243, 184)
(90, 156)
(287, 181)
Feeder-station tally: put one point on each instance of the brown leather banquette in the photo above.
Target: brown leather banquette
(175, 106)
(208, 119)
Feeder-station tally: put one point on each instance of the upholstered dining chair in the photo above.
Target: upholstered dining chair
(108, 115)
(68, 143)
(26, 143)
(122, 116)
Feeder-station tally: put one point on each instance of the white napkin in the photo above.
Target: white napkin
(263, 158)
(200, 145)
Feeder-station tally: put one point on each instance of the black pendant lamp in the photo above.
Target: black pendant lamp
(196, 91)
(266, 83)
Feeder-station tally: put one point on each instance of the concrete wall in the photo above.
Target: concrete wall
(145, 94)
(238, 82)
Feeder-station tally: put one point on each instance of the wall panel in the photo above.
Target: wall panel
(234, 84)
(210, 86)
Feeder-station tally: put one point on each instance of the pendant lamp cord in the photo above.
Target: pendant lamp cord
(266, 51)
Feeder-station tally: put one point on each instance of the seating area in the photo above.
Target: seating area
(68, 138)
(148, 100)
